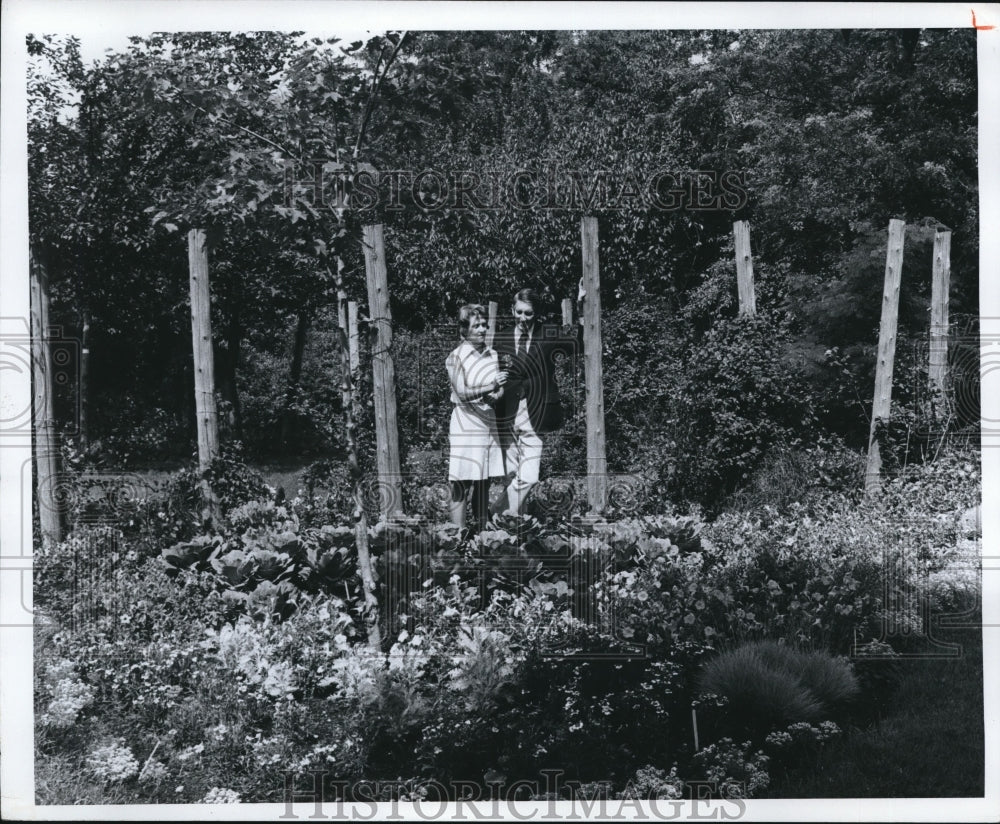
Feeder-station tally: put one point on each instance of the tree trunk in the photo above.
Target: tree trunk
(84, 380)
(230, 365)
(298, 351)
(47, 478)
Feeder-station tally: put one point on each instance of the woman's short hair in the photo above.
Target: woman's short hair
(467, 313)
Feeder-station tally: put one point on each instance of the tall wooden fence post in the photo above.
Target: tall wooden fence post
(349, 401)
(491, 322)
(47, 479)
(597, 464)
(384, 372)
(204, 370)
(886, 349)
(744, 269)
(567, 312)
(937, 368)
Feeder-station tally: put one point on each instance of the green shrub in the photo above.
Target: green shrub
(764, 691)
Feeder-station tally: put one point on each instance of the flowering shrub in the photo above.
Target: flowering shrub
(113, 762)
(736, 771)
(220, 795)
(535, 644)
(70, 696)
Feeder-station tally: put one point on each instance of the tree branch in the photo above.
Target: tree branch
(250, 132)
(376, 86)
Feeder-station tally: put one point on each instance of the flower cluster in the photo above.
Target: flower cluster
(114, 762)
(736, 772)
(70, 696)
(220, 795)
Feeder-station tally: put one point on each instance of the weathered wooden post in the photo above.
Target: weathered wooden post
(384, 372)
(597, 464)
(204, 370)
(886, 349)
(937, 369)
(491, 323)
(352, 336)
(349, 403)
(567, 312)
(744, 269)
(50, 515)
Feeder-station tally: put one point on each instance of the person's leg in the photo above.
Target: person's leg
(480, 502)
(526, 457)
(456, 507)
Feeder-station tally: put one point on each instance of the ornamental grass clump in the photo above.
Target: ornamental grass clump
(769, 685)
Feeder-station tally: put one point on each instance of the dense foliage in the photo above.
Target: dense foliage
(831, 134)
(224, 663)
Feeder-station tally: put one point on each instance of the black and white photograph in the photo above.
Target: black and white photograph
(500, 411)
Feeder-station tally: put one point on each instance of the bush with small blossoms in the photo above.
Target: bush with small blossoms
(113, 762)
(220, 795)
(736, 771)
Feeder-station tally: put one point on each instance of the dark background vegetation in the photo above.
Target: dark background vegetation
(835, 132)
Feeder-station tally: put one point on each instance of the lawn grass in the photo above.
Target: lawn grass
(929, 744)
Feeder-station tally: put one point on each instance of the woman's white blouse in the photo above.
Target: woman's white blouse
(472, 371)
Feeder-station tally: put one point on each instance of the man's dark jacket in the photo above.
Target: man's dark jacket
(532, 376)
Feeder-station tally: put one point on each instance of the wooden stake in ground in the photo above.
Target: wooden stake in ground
(937, 369)
(47, 478)
(744, 269)
(204, 371)
(352, 336)
(567, 312)
(886, 349)
(491, 323)
(384, 373)
(597, 464)
(349, 401)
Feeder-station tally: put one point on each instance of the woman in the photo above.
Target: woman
(474, 447)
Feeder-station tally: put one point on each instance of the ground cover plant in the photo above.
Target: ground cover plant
(219, 665)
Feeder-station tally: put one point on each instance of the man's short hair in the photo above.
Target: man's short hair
(529, 296)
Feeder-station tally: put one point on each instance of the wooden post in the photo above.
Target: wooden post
(567, 312)
(349, 402)
(204, 370)
(352, 336)
(47, 479)
(491, 323)
(384, 372)
(886, 348)
(937, 370)
(597, 465)
(744, 269)
(84, 404)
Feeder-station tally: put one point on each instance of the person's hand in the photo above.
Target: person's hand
(493, 397)
(501, 378)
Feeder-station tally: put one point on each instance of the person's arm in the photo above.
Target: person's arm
(469, 389)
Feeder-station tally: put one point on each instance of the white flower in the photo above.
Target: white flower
(190, 752)
(220, 795)
(69, 697)
(114, 762)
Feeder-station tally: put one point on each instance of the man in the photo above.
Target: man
(530, 405)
